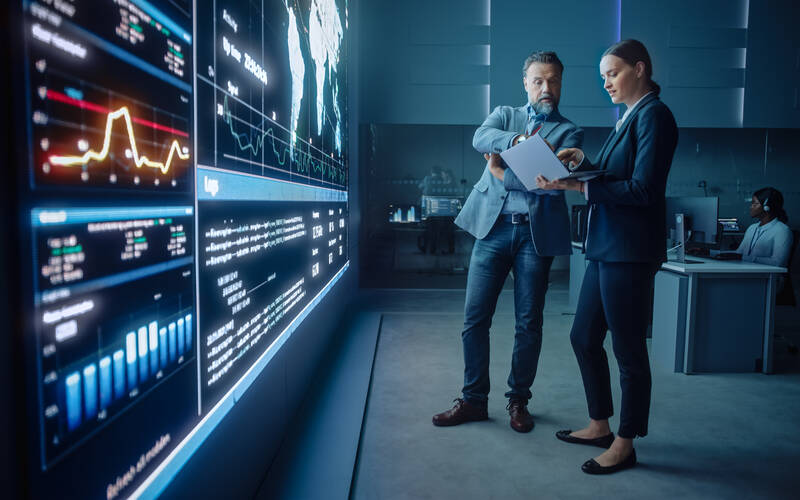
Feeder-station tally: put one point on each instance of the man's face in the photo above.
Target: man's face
(542, 82)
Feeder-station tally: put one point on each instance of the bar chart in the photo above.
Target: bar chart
(147, 354)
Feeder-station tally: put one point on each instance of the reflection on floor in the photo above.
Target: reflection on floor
(711, 436)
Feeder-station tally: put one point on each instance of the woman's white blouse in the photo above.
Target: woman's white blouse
(768, 244)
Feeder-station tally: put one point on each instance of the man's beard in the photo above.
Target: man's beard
(544, 107)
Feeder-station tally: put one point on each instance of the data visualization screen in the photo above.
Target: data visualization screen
(183, 205)
(107, 204)
(115, 307)
(112, 88)
(261, 263)
(272, 173)
(270, 89)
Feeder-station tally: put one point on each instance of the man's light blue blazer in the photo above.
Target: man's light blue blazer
(549, 220)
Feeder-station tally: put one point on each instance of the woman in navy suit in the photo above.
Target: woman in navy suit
(625, 245)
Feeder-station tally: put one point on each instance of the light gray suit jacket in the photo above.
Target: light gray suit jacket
(549, 220)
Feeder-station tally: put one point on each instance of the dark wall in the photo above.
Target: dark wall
(772, 96)
(721, 63)
(424, 61)
(577, 30)
(10, 419)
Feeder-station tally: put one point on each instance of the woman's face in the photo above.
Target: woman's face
(623, 82)
(756, 209)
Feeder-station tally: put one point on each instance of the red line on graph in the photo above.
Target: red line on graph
(160, 127)
(58, 96)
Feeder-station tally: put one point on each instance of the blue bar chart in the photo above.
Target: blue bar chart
(105, 382)
(119, 374)
(172, 349)
(162, 341)
(181, 337)
(90, 390)
(188, 320)
(146, 354)
(152, 332)
(73, 400)
(142, 336)
(130, 348)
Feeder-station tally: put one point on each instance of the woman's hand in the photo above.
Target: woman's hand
(571, 157)
(562, 185)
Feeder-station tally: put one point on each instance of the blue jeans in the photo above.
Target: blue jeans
(506, 246)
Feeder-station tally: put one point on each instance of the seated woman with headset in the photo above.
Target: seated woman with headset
(769, 240)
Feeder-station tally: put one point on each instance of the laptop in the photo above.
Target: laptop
(533, 157)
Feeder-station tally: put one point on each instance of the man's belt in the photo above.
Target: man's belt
(514, 218)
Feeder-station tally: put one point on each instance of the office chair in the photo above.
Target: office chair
(785, 296)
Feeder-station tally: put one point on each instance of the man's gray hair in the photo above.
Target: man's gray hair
(544, 58)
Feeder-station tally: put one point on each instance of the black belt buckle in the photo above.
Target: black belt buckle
(518, 218)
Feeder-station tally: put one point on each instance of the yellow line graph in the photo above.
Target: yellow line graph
(139, 161)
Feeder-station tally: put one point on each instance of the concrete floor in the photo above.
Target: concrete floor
(711, 436)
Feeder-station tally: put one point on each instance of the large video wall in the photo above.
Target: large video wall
(183, 206)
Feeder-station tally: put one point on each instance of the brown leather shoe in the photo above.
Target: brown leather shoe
(460, 412)
(521, 420)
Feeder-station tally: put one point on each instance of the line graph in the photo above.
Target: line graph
(139, 160)
(96, 131)
(83, 104)
(303, 161)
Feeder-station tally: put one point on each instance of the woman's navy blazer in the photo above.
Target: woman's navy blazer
(627, 218)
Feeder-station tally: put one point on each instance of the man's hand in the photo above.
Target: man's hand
(562, 185)
(518, 138)
(496, 165)
(571, 157)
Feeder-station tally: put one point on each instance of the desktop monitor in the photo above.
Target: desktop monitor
(440, 206)
(700, 218)
(730, 225)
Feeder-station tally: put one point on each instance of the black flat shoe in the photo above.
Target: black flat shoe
(592, 467)
(602, 442)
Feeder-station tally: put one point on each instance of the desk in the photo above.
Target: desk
(714, 316)
(406, 255)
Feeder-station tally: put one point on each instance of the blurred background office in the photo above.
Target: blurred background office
(730, 72)
(432, 71)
